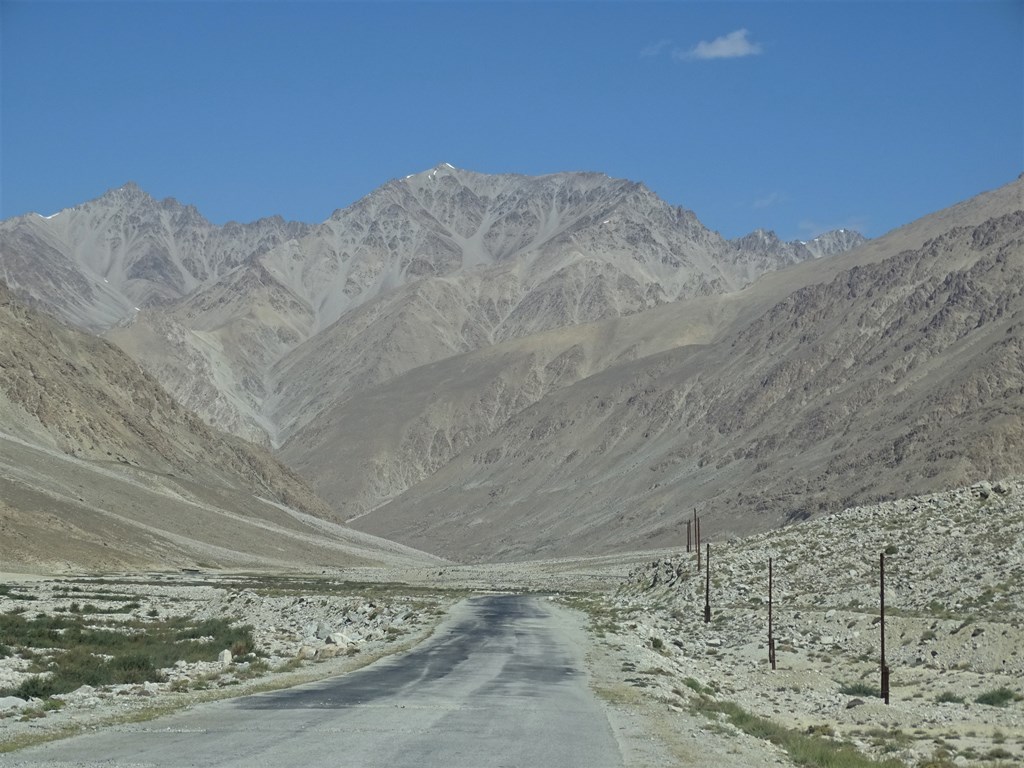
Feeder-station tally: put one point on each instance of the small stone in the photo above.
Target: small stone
(854, 703)
(224, 657)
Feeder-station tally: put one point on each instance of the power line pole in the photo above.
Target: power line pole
(771, 636)
(707, 587)
(885, 667)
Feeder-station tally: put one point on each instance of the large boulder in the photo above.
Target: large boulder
(11, 702)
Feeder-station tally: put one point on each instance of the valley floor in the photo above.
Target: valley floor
(677, 690)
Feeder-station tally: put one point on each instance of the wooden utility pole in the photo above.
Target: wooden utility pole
(707, 587)
(885, 667)
(688, 523)
(697, 537)
(771, 636)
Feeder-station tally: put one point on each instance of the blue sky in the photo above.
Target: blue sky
(793, 116)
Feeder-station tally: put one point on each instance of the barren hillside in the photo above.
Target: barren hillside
(101, 468)
(897, 373)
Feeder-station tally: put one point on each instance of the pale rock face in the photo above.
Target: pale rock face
(97, 264)
(836, 241)
(261, 327)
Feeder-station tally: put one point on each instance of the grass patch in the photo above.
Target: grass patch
(604, 619)
(694, 686)
(812, 750)
(90, 608)
(998, 697)
(948, 697)
(6, 591)
(113, 653)
(858, 689)
(265, 585)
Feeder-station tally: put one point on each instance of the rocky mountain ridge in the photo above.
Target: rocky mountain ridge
(440, 263)
(827, 244)
(519, 367)
(832, 386)
(97, 264)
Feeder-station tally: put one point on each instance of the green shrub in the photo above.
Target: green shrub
(859, 689)
(693, 685)
(997, 697)
(125, 652)
(5, 591)
(803, 749)
(948, 697)
(998, 753)
(33, 688)
(135, 667)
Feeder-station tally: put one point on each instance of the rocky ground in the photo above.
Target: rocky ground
(954, 634)
(303, 629)
(954, 627)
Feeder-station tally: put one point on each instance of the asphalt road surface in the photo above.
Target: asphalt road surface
(500, 684)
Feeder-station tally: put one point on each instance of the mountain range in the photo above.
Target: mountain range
(508, 366)
(259, 327)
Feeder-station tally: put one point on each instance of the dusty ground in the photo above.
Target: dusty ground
(304, 629)
(955, 631)
(286, 623)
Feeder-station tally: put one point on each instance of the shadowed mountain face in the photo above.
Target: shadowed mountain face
(101, 468)
(505, 366)
(895, 375)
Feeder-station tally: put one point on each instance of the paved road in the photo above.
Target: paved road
(500, 684)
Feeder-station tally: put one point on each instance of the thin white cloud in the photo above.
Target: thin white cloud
(773, 198)
(734, 45)
(655, 49)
